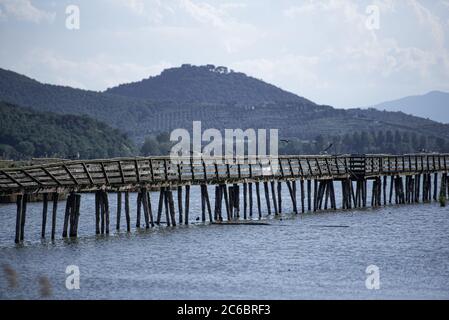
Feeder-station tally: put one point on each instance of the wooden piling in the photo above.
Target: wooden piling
(139, 208)
(68, 209)
(119, 210)
(245, 191)
(24, 213)
(250, 195)
(44, 214)
(279, 195)
(259, 205)
(171, 205)
(208, 206)
(167, 208)
(302, 195)
(267, 197)
(273, 194)
(106, 210)
(187, 204)
(309, 195)
(179, 194)
(127, 215)
(18, 217)
(53, 220)
(160, 205)
(146, 209)
(97, 212)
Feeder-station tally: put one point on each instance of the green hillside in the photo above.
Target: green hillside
(25, 133)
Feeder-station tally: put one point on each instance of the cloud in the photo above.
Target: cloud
(154, 11)
(24, 10)
(96, 73)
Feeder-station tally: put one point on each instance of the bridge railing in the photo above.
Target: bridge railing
(154, 171)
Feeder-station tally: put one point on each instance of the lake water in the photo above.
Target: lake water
(307, 256)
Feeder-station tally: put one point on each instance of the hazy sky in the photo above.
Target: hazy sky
(322, 50)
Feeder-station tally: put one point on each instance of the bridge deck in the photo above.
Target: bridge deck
(133, 173)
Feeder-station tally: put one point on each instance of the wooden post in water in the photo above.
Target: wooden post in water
(106, 210)
(160, 205)
(302, 195)
(226, 200)
(150, 209)
(259, 205)
(208, 206)
(179, 193)
(139, 208)
(250, 194)
(18, 217)
(68, 210)
(119, 210)
(55, 209)
(75, 213)
(292, 196)
(24, 213)
(279, 190)
(146, 207)
(102, 212)
(309, 195)
(273, 194)
(203, 204)
(44, 214)
(435, 186)
(187, 204)
(245, 191)
(166, 205)
(236, 199)
(127, 215)
(97, 212)
(267, 197)
(171, 205)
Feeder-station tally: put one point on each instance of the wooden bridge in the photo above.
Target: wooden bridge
(125, 175)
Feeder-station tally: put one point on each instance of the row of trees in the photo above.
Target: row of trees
(358, 142)
(368, 142)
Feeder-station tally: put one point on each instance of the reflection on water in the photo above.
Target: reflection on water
(322, 255)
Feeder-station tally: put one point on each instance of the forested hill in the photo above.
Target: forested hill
(25, 133)
(117, 111)
(205, 84)
(297, 118)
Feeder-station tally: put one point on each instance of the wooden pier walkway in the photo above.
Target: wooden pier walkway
(402, 178)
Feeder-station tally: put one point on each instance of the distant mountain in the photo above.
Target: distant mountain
(433, 105)
(205, 84)
(197, 95)
(25, 133)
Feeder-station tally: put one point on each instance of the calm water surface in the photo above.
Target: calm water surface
(317, 256)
